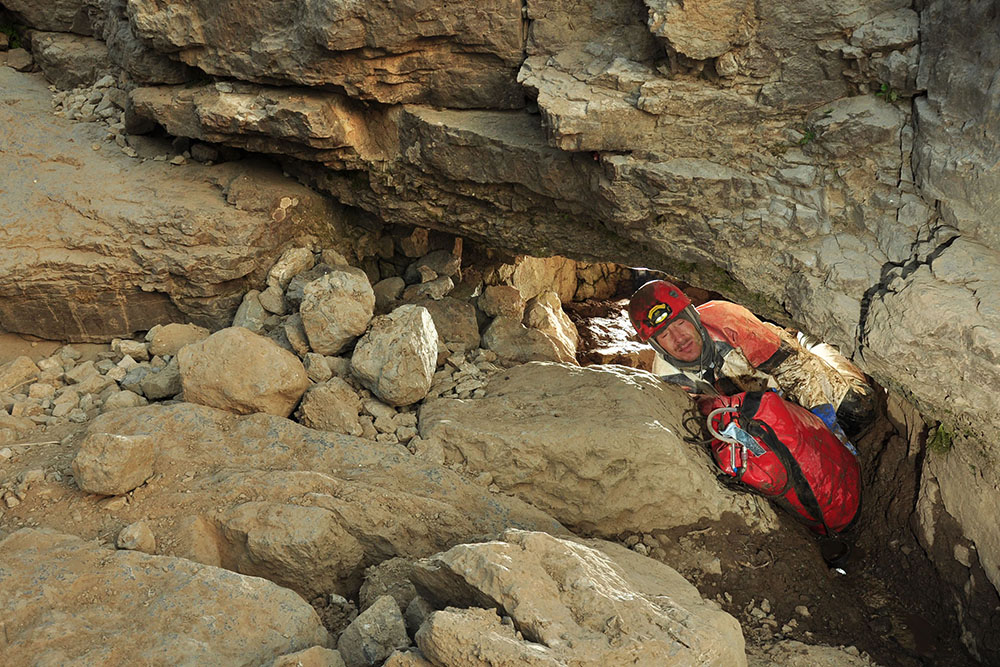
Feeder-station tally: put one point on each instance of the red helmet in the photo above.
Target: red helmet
(654, 305)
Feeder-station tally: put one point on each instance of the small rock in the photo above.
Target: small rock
(317, 656)
(317, 367)
(110, 464)
(6, 454)
(177, 160)
(416, 613)
(137, 537)
(374, 634)
(169, 339)
(273, 300)
(20, 60)
(802, 610)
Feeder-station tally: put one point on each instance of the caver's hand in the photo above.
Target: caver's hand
(704, 402)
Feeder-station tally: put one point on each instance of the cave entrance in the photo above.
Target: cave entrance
(892, 605)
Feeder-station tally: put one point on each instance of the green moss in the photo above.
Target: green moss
(886, 92)
(940, 439)
(13, 35)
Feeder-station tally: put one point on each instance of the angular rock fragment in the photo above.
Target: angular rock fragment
(397, 357)
(111, 464)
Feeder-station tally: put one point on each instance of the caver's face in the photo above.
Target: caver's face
(680, 340)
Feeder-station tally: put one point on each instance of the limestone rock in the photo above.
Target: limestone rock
(534, 275)
(390, 577)
(391, 502)
(455, 321)
(560, 595)
(387, 293)
(179, 253)
(17, 374)
(137, 537)
(465, 57)
(435, 289)
(317, 656)
(332, 405)
(291, 263)
(163, 383)
(12, 428)
(302, 548)
(20, 60)
(702, 29)
(237, 370)
(134, 54)
(442, 262)
(797, 654)
(273, 300)
(317, 367)
(293, 294)
(111, 464)
(336, 308)
(123, 399)
(503, 300)
(70, 61)
(374, 634)
(544, 313)
(407, 659)
(313, 125)
(139, 605)
(515, 342)
(170, 338)
(551, 434)
(251, 314)
(77, 16)
(397, 357)
(894, 29)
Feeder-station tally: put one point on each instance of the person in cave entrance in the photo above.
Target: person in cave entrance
(720, 348)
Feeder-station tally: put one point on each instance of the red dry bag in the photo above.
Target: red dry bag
(787, 454)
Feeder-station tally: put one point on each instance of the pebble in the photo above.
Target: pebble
(178, 160)
(802, 610)
(95, 147)
(6, 454)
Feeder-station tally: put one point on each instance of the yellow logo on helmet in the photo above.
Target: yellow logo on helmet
(658, 313)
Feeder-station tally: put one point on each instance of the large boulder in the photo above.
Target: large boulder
(79, 16)
(584, 444)
(266, 496)
(302, 548)
(575, 602)
(70, 61)
(235, 369)
(515, 342)
(91, 265)
(68, 600)
(397, 357)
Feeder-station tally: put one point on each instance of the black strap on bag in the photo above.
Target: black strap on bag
(763, 430)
